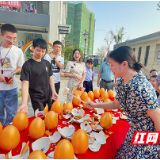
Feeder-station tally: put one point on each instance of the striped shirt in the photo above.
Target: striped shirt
(89, 74)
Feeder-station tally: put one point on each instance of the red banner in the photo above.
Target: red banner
(16, 4)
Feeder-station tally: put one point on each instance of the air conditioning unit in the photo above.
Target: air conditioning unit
(64, 29)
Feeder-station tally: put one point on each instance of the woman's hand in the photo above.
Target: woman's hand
(79, 77)
(80, 86)
(90, 105)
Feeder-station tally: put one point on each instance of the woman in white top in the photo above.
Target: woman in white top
(76, 71)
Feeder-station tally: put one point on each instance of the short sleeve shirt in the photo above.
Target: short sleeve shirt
(136, 97)
(38, 74)
(107, 74)
(75, 67)
(11, 58)
(55, 68)
(89, 74)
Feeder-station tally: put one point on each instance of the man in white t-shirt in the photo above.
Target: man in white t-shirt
(57, 63)
(11, 61)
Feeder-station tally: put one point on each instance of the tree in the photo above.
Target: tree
(63, 50)
(118, 37)
(109, 39)
(102, 52)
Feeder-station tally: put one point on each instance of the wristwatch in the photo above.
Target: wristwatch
(14, 73)
(54, 58)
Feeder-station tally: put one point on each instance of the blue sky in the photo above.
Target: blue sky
(139, 18)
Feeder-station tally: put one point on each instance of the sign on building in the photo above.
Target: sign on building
(16, 4)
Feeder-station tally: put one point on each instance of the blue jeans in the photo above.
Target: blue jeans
(8, 100)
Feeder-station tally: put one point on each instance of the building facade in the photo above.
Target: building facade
(147, 50)
(80, 19)
(42, 24)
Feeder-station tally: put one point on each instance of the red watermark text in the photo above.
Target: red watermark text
(145, 138)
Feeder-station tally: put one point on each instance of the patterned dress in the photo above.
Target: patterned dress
(77, 68)
(136, 97)
(158, 81)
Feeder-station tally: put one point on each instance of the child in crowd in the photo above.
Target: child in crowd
(137, 99)
(152, 73)
(152, 80)
(87, 84)
(36, 76)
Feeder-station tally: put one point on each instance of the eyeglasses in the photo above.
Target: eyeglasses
(57, 47)
(10, 38)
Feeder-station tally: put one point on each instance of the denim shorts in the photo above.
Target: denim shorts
(8, 102)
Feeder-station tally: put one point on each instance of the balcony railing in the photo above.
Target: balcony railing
(36, 7)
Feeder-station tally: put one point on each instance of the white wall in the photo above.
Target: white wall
(58, 16)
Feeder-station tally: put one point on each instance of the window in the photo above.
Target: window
(139, 53)
(146, 55)
(134, 49)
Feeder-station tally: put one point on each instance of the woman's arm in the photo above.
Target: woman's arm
(155, 116)
(80, 86)
(83, 77)
(108, 105)
(71, 75)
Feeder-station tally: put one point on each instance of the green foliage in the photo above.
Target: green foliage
(119, 35)
(97, 67)
(63, 50)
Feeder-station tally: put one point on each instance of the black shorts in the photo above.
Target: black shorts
(39, 104)
(88, 86)
(40, 101)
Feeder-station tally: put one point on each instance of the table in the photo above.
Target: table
(107, 151)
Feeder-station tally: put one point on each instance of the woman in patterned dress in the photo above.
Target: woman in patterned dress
(137, 99)
(76, 71)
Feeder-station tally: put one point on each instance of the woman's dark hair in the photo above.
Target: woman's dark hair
(40, 43)
(125, 53)
(73, 54)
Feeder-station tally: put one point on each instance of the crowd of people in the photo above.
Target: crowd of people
(7, 8)
(135, 94)
(29, 7)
